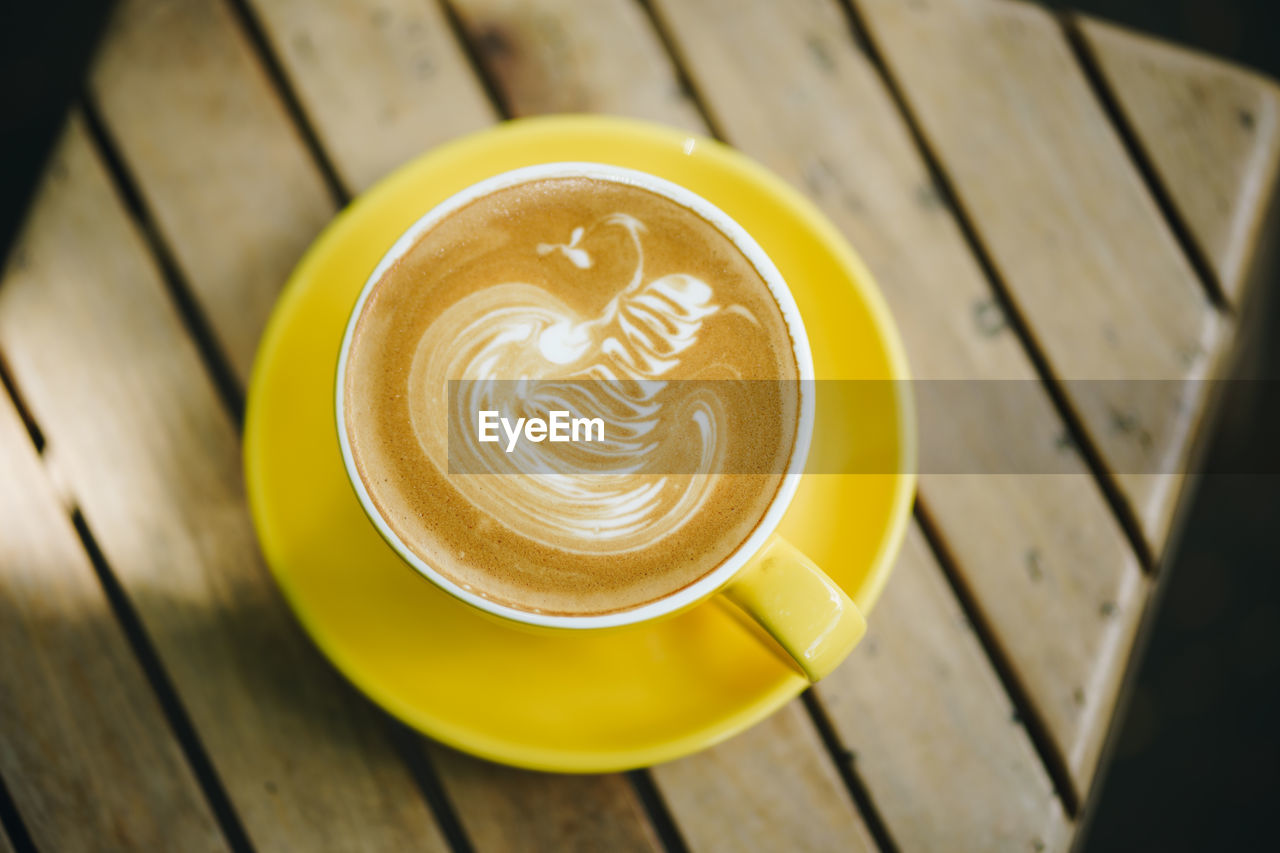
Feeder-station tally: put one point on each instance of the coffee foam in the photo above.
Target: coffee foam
(577, 279)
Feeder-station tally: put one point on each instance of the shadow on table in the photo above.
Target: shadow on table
(1197, 760)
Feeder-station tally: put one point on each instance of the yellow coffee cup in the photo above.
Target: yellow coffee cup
(811, 619)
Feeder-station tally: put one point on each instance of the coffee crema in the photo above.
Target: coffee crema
(586, 280)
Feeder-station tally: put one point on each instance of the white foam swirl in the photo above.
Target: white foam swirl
(518, 331)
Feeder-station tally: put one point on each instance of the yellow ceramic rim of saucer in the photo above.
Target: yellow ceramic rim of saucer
(563, 701)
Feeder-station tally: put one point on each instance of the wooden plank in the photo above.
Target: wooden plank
(554, 56)
(505, 808)
(1089, 262)
(152, 458)
(1046, 561)
(759, 791)
(227, 178)
(425, 94)
(84, 746)
(1209, 129)
(921, 690)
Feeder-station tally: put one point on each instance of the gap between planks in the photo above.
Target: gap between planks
(403, 740)
(844, 759)
(29, 423)
(492, 91)
(12, 826)
(1088, 61)
(166, 694)
(252, 29)
(148, 661)
(700, 101)
(655, 807)
(1054, 761)
(197, 324)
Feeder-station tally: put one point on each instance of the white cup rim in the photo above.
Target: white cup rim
(718, 577)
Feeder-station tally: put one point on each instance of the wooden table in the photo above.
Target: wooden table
(1037, 196)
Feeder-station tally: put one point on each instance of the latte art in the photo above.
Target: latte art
(520, 331)
(587, 297)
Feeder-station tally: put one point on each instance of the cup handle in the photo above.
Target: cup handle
(794, 601)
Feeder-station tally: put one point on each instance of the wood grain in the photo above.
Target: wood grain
(227, 178)
(553, 56)
(769, 788)
(381, 83)
(152, 458)
(90, 760)
(1047, 563)
(1062, 595)
(943, 753)
(505, 808)
(1209, 129)
(1089, 262)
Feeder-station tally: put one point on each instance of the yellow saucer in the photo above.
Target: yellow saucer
(585, 701)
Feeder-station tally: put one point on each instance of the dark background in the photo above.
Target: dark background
(1197, 756)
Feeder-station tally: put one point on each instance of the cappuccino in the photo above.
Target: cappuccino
(618, 293)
